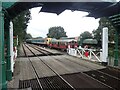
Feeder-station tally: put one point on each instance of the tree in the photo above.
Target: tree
(86, 35)
(28, 36)
(97, 34)
(56, 32)
(20, 24)
(104, 22)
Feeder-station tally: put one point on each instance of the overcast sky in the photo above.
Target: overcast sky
(74, 23)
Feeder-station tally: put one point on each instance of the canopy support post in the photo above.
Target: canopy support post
(116, 48)
(3, 83)
(8, 57)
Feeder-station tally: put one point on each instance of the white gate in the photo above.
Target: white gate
(89, 54)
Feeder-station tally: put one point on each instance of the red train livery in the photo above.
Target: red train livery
(63, 44)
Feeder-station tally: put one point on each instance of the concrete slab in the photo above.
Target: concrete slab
(62, 64)
(21, 52)
(29, 53)
(22, 71)
(42, 70)
(33, 50)
(26, 69)
(83, 62)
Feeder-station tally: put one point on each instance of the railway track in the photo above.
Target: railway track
(35, 84)
(44, 51)
(92, 75)
(106, 76)
(44, 83)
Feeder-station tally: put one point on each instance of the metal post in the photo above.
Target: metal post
(3, 83)
(8, 61)
(11, 46)
(116, 48)
(105, 46)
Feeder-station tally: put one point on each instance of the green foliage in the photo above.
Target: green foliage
(14, 42)
(111, 52)
(20, 24)
(97, 34)
(28, 36)
(86, 35)
(56, 32)
(104, 22)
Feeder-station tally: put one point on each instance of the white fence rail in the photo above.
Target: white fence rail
(90, 54)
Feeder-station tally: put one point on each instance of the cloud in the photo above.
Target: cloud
(74, 23)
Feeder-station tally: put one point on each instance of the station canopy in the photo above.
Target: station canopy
(101, 8)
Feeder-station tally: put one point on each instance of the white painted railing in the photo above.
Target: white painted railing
(89, 54)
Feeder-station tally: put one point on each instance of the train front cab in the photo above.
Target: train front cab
(48, 41)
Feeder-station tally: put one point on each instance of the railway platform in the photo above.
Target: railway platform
(56, 72)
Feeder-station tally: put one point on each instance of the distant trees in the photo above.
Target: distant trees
(104, 22)
(86, 35)
(56, 32)
(28, 36)
(20, 24)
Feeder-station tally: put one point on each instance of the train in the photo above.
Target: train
(63, 44)
(37, 41)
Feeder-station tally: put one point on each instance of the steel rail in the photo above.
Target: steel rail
(92, 77)
(94, 69)
(41, 49)
(37, 77)
(52, 69)
(86, 67)
(97, 71)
